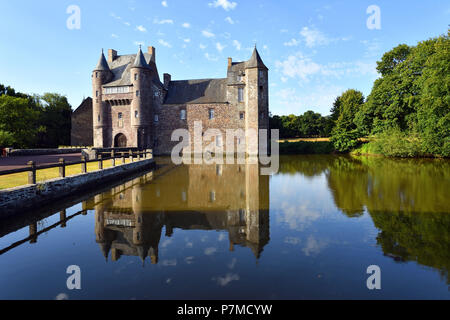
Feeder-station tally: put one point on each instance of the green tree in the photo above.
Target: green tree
(345, 133)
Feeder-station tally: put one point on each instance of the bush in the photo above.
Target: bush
(392, 143)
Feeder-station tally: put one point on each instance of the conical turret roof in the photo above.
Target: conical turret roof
(140, 61)
(102, 65)
(256, 61)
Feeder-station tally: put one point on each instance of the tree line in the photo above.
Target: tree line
(309, 125)
(33, 121)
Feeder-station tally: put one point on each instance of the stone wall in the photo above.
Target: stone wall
(21, 198)
(226, 116)
(82, 130)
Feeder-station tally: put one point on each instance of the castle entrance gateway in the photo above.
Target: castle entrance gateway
(120, 141)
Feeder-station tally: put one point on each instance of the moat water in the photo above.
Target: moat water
(225, 232)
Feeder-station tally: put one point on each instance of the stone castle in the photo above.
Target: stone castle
(132, 108)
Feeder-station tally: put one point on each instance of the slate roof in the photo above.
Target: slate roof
(102, 65)
(256, 61)
(197, 91)
(121, 69)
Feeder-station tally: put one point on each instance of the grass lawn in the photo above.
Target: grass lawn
(20, 179)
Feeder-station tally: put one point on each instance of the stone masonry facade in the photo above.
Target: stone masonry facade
(131, 107)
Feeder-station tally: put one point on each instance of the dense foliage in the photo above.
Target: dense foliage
(408, 111)
(33, 121)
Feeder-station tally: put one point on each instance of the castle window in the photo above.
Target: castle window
(120, 122)
(240, 78)
(137, 93)
(135, 76)
(96, 93)
(219, 141)
(212, 196)
(261, 74)
(211, 114)
(183, 115)
(156, 118)
(136, 114)
(96, 74)
(242, 115)
(98, 118)
(241, 94)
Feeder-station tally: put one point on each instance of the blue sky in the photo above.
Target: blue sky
(314, 49)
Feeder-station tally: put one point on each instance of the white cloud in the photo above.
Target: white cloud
(164, 4)
(202, 46)
(164, 21)
(237, 45)
(127, 24)
(292, 43)
(139, 43)
(115, 16)
(187, 40)
(220, 47)
(141, 29)
(186, 25)
(210, 251)
(292, 240)
(169, 263)
(314, 37)
(208, 34)
(232, 264)
(303, 67)
(115, 36)
(229, 20)
(164, 43)
(224, 281)
(62, 296)
(225, 4)
(189, 260)
(313, 246)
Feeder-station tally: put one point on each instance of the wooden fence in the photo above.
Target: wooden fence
(115, 157)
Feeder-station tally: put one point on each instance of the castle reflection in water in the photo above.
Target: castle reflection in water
(129, 219)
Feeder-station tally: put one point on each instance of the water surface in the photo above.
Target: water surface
(226, 232)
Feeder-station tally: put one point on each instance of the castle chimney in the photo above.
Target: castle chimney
(152, 52)
(167, 79)
(112, 55)
(230, 62)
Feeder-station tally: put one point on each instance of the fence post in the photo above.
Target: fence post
(100, 162)
(33, 232)
(113, 158)
(131, 155)
(32, 172)
(83, 164)
(62, 168)
(123, 157)
(62, 218)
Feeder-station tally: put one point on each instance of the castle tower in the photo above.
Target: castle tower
(142, 102)
(101, 75)
(257, 102)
